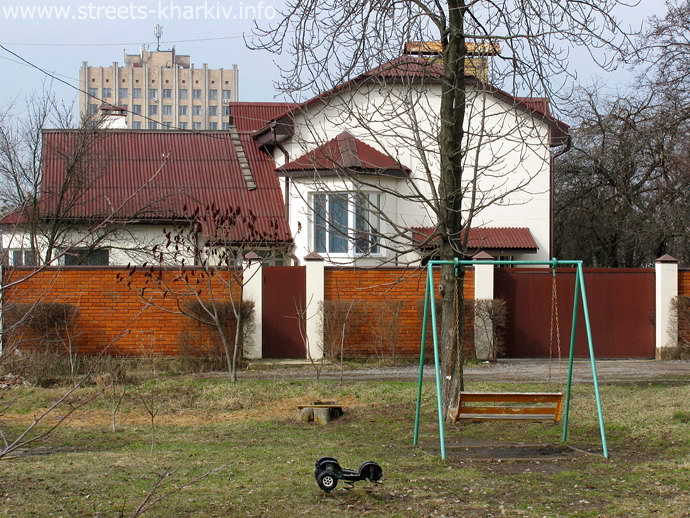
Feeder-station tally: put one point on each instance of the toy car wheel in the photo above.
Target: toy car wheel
(327, 463)
(327, 480)
(371, 471)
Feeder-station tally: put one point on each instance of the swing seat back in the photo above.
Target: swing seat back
(532, 406)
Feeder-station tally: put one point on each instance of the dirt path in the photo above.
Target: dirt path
(516, 371)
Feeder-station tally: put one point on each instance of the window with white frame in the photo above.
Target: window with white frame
(346, 223)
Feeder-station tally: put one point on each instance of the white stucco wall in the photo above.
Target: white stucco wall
(133, 245)
(509, 148)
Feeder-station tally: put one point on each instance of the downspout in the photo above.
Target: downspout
(280, 146)
(566, 147)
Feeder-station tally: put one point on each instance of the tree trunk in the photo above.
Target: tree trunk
(450, 219)
(238, 333)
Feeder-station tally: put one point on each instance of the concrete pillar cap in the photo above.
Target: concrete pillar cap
(482, 256)
(667, 259)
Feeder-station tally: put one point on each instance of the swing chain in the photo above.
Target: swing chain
(555, 323)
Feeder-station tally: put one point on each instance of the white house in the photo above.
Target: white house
(351, 174)
(360, 167)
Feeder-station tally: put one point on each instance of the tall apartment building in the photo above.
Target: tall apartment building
(161, 90)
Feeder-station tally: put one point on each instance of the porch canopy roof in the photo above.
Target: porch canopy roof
(498, 240)
(344, 154)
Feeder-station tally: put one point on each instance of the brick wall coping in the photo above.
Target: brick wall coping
(411, 269)
(110, 268)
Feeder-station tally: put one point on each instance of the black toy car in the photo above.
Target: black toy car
(328, 472)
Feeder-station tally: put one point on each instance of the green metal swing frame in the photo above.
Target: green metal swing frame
(430, 311)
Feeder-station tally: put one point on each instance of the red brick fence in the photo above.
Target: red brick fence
(385, 308)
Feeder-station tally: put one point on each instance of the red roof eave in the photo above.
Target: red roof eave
(484, 238)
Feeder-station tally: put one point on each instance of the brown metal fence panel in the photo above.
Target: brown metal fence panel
(284, 296)
(621, 310)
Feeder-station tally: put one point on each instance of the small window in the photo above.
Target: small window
(196, 94)
(93, 92)
(136, 109)
(182, 93)
(183, 125)
(136, 93)
(153, 93)
(226, 110)
(21, 257)
(123, 93)
(87, 257)
(212, 95)
(167, 109)
(213, 125)
(92, 109)
(196, 125)
(182, 109)
(196, 110)
(136, 125)
(213, 110)
(226, 126)
(167, 93)
(227, 94)
(153, 109)
(107, 93)
(153, 125)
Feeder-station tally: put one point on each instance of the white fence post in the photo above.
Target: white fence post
(314, 310)
(666, 276)
(483, 290)
(253, 290)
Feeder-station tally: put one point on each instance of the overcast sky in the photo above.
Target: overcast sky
(59, 37)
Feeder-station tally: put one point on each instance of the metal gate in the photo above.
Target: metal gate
(621, 310)
(283, 297)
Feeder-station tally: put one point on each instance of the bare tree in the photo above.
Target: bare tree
(437, 108)
(623, 193)
(664, 48)
(210, 246)
(50, 165)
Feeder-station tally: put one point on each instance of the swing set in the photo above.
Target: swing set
(535, 406)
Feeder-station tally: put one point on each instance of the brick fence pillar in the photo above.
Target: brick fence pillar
(666, 269)
(315, 296)
(483, 291)
(253, 290)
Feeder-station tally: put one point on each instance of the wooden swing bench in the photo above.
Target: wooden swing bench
(512, 406)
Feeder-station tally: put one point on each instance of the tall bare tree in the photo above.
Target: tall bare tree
(50, 164)
(330, 42)
(623, 193)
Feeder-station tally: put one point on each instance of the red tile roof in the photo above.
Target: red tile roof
(484, 238)
(202, 170)
(345, 152)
